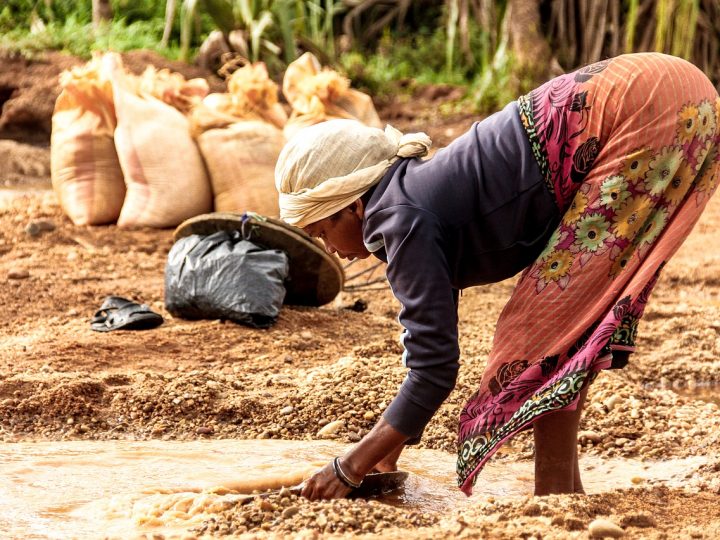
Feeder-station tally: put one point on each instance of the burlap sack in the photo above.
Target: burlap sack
(240, 137)
(317, 94)
(255, 95)
(85, 170)
(172, 88)
(164, 172)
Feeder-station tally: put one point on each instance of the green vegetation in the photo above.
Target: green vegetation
(79, 38)
(384, 46)
(420, 57)
(34, 26)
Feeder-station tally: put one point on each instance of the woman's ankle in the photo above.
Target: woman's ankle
(557, 483)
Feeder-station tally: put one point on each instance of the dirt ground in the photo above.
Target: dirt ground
(207, 379)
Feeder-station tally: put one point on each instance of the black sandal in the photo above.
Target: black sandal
(118, 313)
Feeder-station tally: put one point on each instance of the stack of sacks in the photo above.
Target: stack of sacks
(85, 170)
(317, 94)
(164, 173)
(240, 137)
(121, 148)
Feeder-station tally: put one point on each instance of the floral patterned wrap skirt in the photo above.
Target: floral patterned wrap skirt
(629, 149)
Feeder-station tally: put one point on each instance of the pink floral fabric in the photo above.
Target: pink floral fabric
(629, 148)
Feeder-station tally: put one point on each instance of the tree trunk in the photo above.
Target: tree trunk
(101, 11)
(169, 18)
(531, 51)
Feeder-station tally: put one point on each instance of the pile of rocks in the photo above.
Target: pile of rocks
(343, 400)
(284, 512)
(629, 420)
(599, 516)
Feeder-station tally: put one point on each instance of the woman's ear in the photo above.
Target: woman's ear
(358, 208)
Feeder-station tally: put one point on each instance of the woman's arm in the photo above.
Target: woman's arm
(420, 277)
(381, 442)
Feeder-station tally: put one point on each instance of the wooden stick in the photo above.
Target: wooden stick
(363, 272)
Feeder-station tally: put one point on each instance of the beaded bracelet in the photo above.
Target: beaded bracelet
(341, 475)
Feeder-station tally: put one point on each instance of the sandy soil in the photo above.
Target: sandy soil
(187, 380)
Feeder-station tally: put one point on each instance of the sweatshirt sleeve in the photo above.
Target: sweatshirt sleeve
(419, 276)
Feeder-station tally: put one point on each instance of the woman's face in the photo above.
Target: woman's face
(342, 232)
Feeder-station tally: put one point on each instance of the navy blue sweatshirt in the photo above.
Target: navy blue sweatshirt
(477, 212)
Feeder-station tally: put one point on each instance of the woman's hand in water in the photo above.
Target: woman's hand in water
(324, 484)
(378, 451)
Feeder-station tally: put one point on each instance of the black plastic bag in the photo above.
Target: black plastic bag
(223, 276)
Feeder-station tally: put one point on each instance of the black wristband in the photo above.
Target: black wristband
(341, 475)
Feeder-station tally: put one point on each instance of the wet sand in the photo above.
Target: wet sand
(190, 381)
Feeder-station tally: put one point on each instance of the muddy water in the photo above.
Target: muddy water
(98, 489)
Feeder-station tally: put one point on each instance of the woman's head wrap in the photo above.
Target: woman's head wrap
(326, 167)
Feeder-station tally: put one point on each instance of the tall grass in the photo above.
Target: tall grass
(265, 23)
(610, 28)
(631, 25)
(684, 23)
(316, 25)
(284, 10)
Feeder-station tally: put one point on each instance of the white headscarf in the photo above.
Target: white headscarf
(325, 167)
